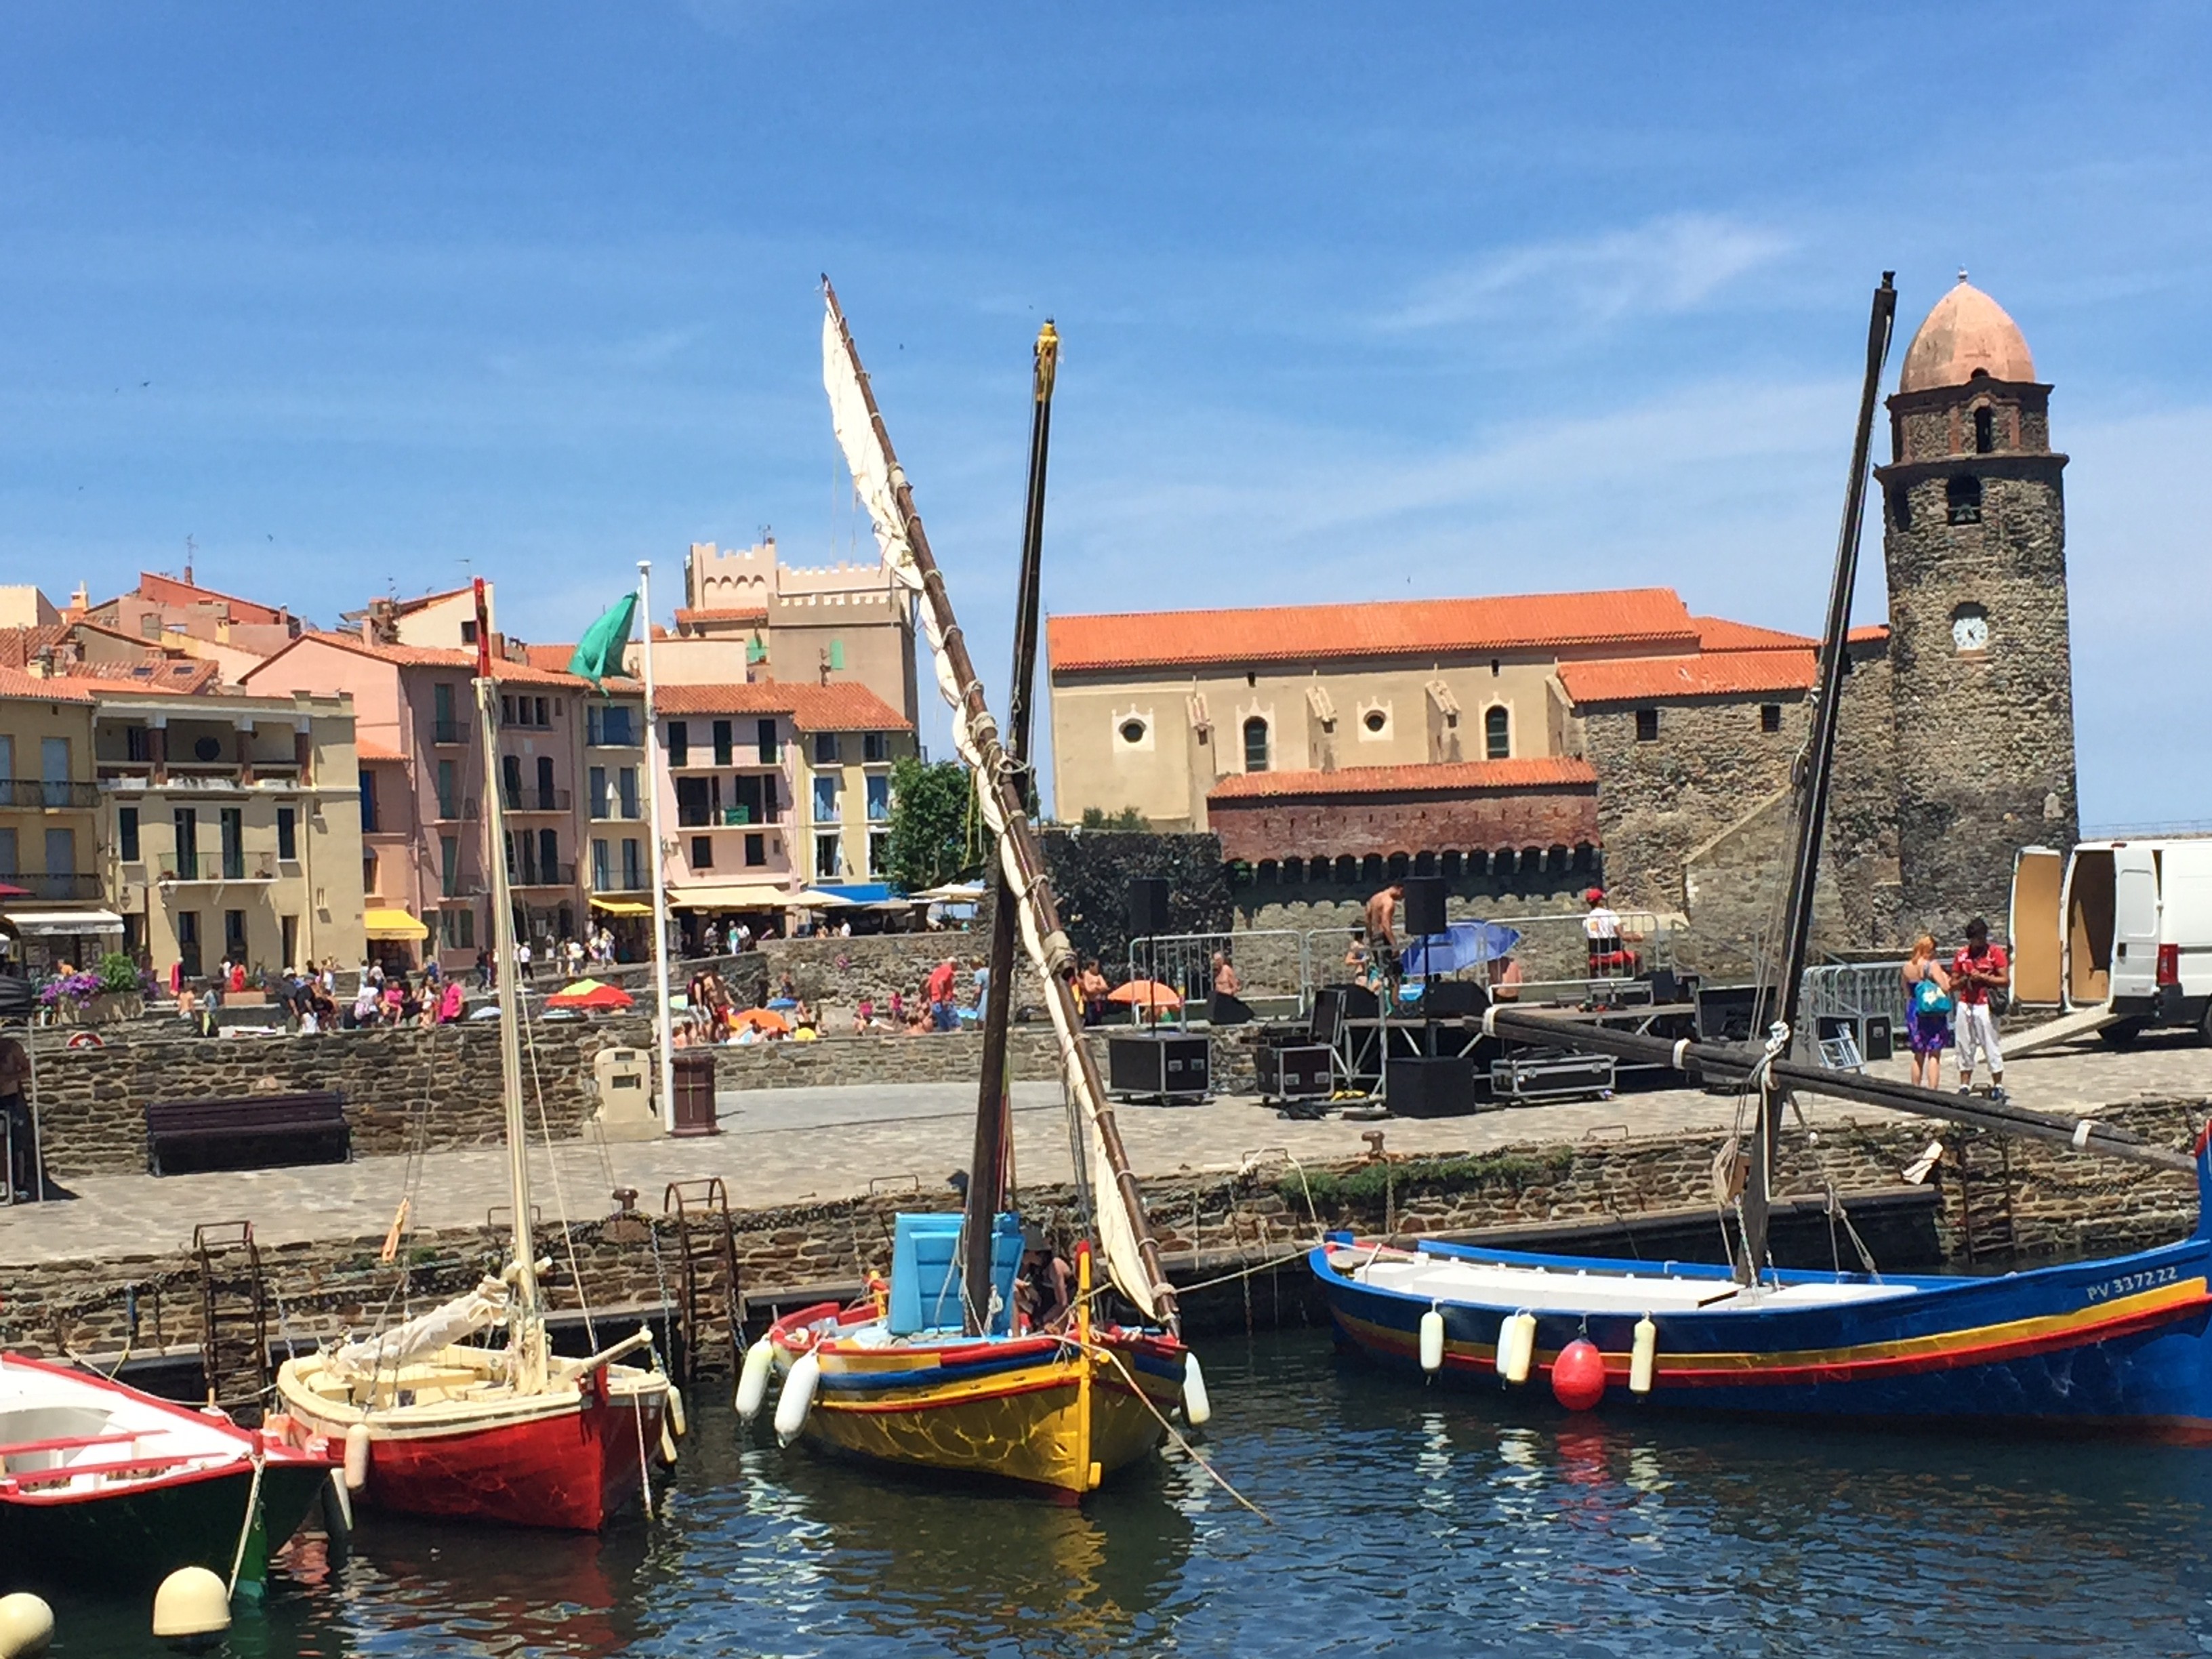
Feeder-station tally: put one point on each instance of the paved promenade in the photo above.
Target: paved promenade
(787, 1145)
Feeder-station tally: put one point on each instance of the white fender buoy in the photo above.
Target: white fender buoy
(336, 1508)
(1432, 1342)
(667, 1446)
(1197, 1404)
(797, 1398)
(752, 1380)
(1516, 1346)
(1644, 1357)
(675, 1411)
(357, 1457)
(26, 1626)
(190, 1607)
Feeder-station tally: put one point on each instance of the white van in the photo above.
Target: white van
(2123, 925)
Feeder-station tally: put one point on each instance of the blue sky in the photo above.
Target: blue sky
(1358, 302)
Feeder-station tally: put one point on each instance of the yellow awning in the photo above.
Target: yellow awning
(735, 895)
(621, 906)
(392, 924)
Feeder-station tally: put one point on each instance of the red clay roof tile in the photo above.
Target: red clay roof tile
(1397, 628)
(1666, 679)
(841, 706)
(1442, 777)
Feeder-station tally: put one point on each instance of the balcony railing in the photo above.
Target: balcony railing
(456, 809)
(533, 798)
(449, 730)
(56, 886)
(216, 869)
(543, 875)
(37, 792)
(612, 809)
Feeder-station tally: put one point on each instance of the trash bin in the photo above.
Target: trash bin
(695, 1092)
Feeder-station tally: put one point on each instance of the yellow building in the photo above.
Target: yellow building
(49, 886)
(1153, 710)
(231, 827)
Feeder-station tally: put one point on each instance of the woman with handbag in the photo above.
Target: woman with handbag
(1927, 1018)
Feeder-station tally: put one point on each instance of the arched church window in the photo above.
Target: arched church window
(1985, 436)
(1256, 744)
(1962, 499)
(1496, 734)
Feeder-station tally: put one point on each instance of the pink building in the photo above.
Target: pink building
(422, 780)
(769, 788)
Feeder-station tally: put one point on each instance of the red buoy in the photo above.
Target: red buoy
(1578, 1376)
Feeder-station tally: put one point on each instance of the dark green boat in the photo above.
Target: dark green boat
(103, 1485)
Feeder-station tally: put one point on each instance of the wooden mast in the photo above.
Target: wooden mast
(987, 1168)
(1019, 841)
(526, 1319)
(1819, 769)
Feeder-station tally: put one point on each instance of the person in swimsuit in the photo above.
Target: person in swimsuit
(1928, 1017)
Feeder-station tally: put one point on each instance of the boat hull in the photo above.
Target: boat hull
(1036, 1412)
(569, 1460)
(140, 1534)
(2119, 1343)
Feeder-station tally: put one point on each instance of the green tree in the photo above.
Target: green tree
(934, 836)
(1128, 821)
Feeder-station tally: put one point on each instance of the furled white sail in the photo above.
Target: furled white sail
(877, 477)
(443, 1326)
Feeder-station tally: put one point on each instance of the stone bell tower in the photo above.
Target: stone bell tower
(1974, 540)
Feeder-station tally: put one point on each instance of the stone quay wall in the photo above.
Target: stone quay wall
(2060, 1206)
(439, 1089)
(440, 1085)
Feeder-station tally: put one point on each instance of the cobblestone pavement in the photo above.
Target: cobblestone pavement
(782, 1145)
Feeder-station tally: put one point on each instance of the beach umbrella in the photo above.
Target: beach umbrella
(8, 890)
(765, 1020)
(1146, 993)
(590, 994)
(1464, 944)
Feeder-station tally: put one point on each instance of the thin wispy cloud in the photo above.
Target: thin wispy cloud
(1664, 266)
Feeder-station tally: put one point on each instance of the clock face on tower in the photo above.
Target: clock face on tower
(1970, 630)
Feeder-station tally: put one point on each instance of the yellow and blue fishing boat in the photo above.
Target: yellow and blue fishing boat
(895, 1378)
(940, 1370)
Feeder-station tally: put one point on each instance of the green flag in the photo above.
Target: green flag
(599, 652)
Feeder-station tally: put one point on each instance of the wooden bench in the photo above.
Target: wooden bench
(252, 1132)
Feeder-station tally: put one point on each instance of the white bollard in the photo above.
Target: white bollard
(356, 1456)
(1644, 1356)
(752, 1380)
(190, 1607)
(797, 1399)
(1197, 1404)
(1432, 1342)
(26, 1626)
(1517, 1347)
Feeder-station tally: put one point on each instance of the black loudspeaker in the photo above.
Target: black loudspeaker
(1148, 907)
(1424, 906)
(1877, 1040)
(1440, 1087)
(1334, 1003)
(1166, 1067)
(1450, 998)
(1734, 1013)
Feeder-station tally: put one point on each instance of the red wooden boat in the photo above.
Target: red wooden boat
(434, 1424)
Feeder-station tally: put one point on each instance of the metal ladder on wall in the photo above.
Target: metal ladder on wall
(233, 1315)
(711, 1311)
(1985, 1217)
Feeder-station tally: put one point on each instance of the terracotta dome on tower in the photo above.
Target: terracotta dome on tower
(1967, 334)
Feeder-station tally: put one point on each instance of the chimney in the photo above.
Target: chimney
(382, 625)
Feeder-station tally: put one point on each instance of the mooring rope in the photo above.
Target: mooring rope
(1175, 1435)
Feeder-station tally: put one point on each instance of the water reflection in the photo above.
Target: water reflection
(1408, 1519)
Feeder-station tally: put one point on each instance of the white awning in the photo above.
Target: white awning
(49, 923)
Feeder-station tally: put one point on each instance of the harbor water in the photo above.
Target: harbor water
(1403, 1518)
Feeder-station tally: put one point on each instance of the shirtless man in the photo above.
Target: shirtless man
(1382, 931)
(1382, 915)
